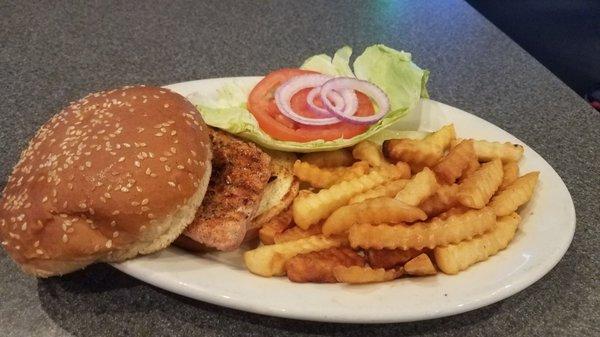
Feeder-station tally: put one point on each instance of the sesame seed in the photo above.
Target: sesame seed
(135, 203)
(24, 226)
(137, 163)
(159, 134)
(124, 189)
(36, 244)
(172, 184)
(116, 212)
(181, 167)
(167, 168)
(173, 133)
(113, 223)
(107, 195)
(150, 216)
(108, 243)
(173, 150)
(82, 205)
(121, 159)
(39, 252)
(115, 234)
(65, 238)
(145, 202)
(166, 105)
(163, 159)
(142, 228)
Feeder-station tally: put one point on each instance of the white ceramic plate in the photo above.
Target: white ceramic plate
(543, 238)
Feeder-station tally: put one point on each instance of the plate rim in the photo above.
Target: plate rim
(518, 283)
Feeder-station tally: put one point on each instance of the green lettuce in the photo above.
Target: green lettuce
(391, 70)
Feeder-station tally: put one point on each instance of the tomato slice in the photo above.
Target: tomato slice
(261, 104)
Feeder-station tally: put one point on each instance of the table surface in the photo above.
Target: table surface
(54, 53)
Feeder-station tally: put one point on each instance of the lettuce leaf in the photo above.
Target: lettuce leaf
(391, 70)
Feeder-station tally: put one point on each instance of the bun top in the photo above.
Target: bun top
(101, 176)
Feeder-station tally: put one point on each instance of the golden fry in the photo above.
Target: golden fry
(388, 189)
(309, 209)
(477, 189)
(421, 186)
(359, 275)
(336, 158)
(421, 235)
(442, 200)
(514, 195)
(276, 225)
(473, 166)
(270, 260)
(389, 258)
(369, 152)
(456, 257)
(420, 266)
(318, 266)
(506, 152)
(511, 173)
(326, 177)
(417, 153)
(452, 166)
(297, 233)
(372, 211)
(442, 137)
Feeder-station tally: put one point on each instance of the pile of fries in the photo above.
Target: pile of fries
(409, 207)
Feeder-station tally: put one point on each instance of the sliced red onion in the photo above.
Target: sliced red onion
(285, 92)
(371, 90)
(334, 97)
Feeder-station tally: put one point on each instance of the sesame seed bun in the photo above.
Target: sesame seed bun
(115, 174)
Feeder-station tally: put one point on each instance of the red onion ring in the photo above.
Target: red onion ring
(288, 89)
(334, 97)
(371, 90)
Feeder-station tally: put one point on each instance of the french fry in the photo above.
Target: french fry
(442, 137)
(420, 266)
(514, 195)
(387, 189)
(318, 266)
(309, 209)
(360, 275)
(506, 152)
(421, 186)
(511, 173)
(473, 166)
(477, 189)
(336, 158)
(421, 235)
(456, 257)
(270, 260)
(369, 152)
(373, 211)
(442, 200)
(417, 153)
(389, 258)
(297, 233)
(326, 177)
(452, 166)
(276, 225)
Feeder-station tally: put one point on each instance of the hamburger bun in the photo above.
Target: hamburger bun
(113, 175)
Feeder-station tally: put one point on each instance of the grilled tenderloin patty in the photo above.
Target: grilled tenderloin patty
(240, 173)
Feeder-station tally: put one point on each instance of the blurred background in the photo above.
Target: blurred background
(563, 35)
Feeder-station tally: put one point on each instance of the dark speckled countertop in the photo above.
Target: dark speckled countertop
(52, 53)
